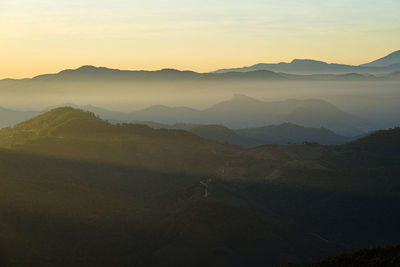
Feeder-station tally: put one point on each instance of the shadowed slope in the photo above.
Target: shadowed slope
(75, 133)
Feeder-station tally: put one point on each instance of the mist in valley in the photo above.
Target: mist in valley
(179, 133)
(375, 102)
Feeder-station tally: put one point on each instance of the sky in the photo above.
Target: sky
(47, 36)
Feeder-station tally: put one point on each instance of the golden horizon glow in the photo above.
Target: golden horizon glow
(44, 36)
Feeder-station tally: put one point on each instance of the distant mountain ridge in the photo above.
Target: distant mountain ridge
(387, 64)
(245, 112)
(242, 111)
(298, 69)
(392, 59)
(91, 73)
(287, 133)
(282, 134)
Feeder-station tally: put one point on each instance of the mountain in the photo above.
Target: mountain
(392, 59)
(298, 66)
(92, 73)
(290, 133)
(298, 69)
(10, 117)
(223, 135)
(387, 64)
(77, 190)
(382, 141)
(282, 134)
(242, 111)
(70, 132)
(103, 113)
(245, 112)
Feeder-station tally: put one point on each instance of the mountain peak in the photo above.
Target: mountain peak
(87, 67)
(307, 61)
(389, 60)
(58, 118)
(90, 68)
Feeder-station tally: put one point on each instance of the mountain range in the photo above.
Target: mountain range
(389, 63)
(250, 137)
(245, 112)
(77, 190)
(244, 182)
(282, 134)
(309, 70)
(242, 111)
(299, 69)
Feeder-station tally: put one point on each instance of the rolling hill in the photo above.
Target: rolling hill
(298, 69)
(281, 134)
(70, 132)
(242, 111)
(223, 135)
(245, 112)
(77, 190)
(290, 133)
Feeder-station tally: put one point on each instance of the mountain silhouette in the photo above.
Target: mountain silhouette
(92, 73)
(298, 69)
(381, 141)
(392, 60)
(387, 64)
(70, 132)
(291, 133)
(283, 134)
(238, 112)
(245, 112)
(126, 194)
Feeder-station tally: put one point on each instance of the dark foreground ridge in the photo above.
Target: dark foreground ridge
(376, 257)
(76, 190)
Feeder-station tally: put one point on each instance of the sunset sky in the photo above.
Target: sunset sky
(45, 36)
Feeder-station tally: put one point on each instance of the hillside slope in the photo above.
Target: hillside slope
(74, 133)
(245, 112)
(389, 60)
(290, 133)
(76, 190)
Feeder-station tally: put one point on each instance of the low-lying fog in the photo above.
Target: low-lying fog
(353, 96)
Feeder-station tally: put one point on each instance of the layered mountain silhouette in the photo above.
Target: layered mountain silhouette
(242, 111)
(245, 112)
(71, 132)
(291, 133)
(238, 112)
(389, 63)
(282, 134)
(127, 194)
(298, 69)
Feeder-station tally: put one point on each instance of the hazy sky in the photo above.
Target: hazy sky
(42, 36)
